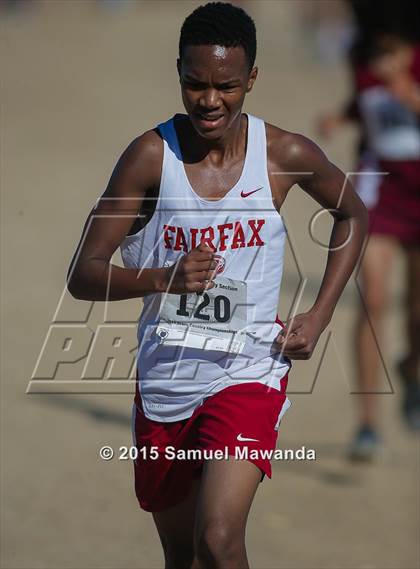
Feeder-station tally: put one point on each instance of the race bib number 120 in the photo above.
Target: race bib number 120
(213, 320)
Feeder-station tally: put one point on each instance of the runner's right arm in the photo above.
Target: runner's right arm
(91, 275)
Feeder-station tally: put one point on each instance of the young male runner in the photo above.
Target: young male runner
(204, 191)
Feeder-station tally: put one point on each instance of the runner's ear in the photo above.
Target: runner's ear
(251, 79)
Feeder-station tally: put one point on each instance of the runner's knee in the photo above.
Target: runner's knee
(218, 543)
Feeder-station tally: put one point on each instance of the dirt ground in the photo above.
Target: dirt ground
(79, 81)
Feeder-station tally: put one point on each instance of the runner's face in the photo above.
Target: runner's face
(214, 81)
(387, 66)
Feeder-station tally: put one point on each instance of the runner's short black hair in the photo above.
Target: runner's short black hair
(220, 23)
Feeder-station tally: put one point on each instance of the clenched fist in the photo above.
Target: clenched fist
(194, 272)
(299, 337)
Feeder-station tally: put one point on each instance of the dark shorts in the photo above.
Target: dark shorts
(397, 211)
(245, 414)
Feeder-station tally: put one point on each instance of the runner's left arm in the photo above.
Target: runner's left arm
(334, 192)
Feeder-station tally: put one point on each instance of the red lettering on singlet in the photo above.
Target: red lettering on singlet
(223, 237)
(219, 238)
(208, 240)
(180, 241)
(166, 237)
(255, 239)
(193, 232)
(238, 236)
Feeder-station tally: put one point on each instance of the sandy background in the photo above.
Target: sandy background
(78, 83)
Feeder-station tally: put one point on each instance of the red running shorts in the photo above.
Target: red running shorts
(397, 212)
(225, 421)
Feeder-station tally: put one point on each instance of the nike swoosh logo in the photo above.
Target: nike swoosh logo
(246, 194)
(243, 439)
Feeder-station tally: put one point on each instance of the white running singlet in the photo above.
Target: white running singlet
(192, 346)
